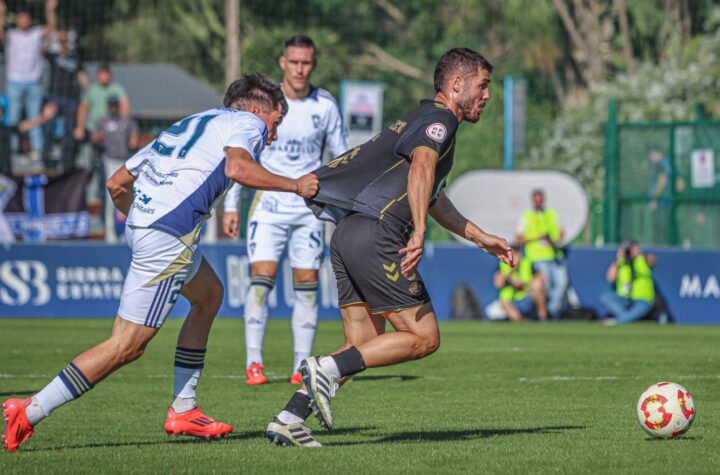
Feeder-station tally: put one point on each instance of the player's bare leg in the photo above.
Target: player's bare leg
(416, 336)
(126, 343)
(256, 314)
(304, 317)
(205, 293)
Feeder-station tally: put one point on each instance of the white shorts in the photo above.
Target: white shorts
(161, 265)
(303, 233)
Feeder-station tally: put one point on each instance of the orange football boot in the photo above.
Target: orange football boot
(254, 374)
(17, 428)
(195, 423)
(296, 378)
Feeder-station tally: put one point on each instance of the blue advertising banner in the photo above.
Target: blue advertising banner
(58, 280)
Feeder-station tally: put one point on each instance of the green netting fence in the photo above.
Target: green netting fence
(663, 182)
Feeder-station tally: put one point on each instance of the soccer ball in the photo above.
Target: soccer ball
(665, 410)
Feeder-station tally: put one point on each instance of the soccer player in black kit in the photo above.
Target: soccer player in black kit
(379, 194)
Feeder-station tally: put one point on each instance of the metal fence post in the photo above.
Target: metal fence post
(611, 170)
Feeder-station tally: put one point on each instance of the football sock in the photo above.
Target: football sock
(304, 320)
(69, 384)
(349, 362)
(256, 317)
(189, 363)
(329, 365)
(297, 408)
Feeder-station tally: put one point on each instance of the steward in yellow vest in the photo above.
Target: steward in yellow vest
(540, 233)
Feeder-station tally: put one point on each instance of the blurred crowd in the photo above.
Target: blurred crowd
(53, 117)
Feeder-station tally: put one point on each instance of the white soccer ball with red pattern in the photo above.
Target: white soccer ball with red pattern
(665, 410)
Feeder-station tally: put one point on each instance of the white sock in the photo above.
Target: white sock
(70, 384)
(189, 363)
(287, 417)
(256, 318)
(329, 365)
(304, 320)
(299, 357)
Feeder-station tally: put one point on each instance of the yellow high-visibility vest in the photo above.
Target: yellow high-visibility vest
(538, 224)
(523, 273)
(639, 286)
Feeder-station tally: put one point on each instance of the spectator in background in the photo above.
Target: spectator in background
(24, 69)
(661, 172)
(94, 105)
(117, 137)
(540, 232)
(67, 81)
(48, 114)
(632, 276)
(521, 290)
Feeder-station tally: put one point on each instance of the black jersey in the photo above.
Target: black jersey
(372, 178)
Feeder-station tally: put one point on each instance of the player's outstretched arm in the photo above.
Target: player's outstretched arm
(241, 168)
(419, 189)
(445, 213)
(120, 187)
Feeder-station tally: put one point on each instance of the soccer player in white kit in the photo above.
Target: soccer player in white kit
(168, 190)
(312, 126)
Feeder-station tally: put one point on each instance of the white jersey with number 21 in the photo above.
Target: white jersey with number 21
(181, 174)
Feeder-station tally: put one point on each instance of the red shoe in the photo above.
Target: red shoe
(296, 378)
(17, 428)
(254, 374)
(195, 423)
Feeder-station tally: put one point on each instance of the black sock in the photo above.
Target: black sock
(349, 362)
(299, 405)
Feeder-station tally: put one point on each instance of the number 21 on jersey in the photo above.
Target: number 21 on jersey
(173, 137)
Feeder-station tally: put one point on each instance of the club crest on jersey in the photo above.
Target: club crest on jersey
(416, 288)
(436, 131)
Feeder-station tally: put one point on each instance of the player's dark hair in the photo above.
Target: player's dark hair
(462, 61)
(255, 88)
(301, 41)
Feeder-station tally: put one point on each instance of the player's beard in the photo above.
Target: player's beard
(467, 105)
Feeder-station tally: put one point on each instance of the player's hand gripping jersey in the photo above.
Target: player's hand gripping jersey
(311, 125)
(181, 174)
(372, 178)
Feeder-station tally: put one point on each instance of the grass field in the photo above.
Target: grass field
(495, 398)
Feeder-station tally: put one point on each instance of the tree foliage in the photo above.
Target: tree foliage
(655, 55)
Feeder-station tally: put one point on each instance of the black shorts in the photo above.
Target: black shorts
(365, 257)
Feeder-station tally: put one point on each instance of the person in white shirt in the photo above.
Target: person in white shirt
(276, 220)
(24, 69)
(168, 189)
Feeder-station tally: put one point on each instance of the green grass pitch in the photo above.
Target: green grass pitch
(496, 398)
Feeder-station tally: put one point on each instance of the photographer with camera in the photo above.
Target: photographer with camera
(521, 290)
(632, 275)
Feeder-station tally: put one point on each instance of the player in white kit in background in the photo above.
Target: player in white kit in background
(312, 126)
(167, 190)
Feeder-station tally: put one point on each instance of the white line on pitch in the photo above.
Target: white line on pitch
(608, 378)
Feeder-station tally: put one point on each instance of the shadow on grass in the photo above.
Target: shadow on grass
(19, 393)
(386, 377)
(253, 434)
(660, 440)
(455, 435)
